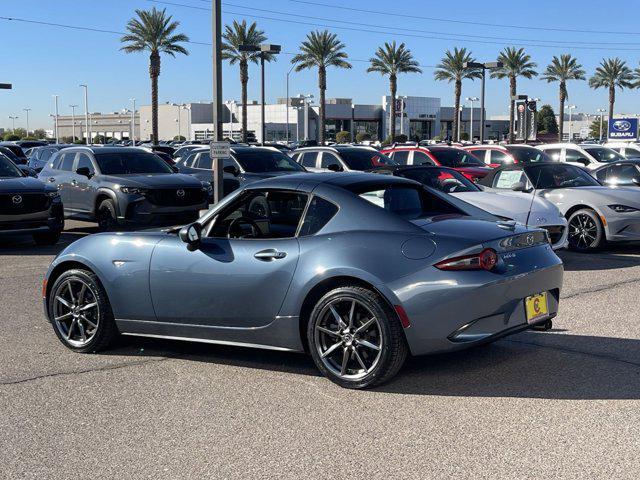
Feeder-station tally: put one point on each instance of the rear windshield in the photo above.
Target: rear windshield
(560, 176)
(262, 161)
(602, 154)
(455, 157)
(442, 179)
(364, 159)
(124, 163)
(410, 203)
(8, 169)
(528, 155)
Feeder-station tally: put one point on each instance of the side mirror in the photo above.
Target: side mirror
(191, 235)
(334, 167)
(28, 171)
(519, 187)
(232, 169)
(583, 161)
(636, 180)
(85, 172)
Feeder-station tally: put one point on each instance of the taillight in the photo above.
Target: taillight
(485, 260)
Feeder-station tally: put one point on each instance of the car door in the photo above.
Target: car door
(401, 157)
(85, 191)
(498, 158)
(61, 175)
(238, 282)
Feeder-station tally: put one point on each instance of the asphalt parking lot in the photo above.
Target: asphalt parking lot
(558, 404)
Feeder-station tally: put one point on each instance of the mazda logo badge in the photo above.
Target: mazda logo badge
(16, 199)
(180, 193)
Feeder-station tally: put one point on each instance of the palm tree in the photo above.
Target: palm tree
(515, 63)
(561, 70)
(234, 36)
(612, 73)
(391, 60)
(451, 69)
(154, 31)
(321, 50)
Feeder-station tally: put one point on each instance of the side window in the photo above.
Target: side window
(83, 160)
(507, 178)
(190, 159)
(318, 215)
(421, 158)
(602, 174)
(623, 174)
(203, 161)
(329, 159)
(573, 155)
(45, 154)
(260, 214)
(497, 157)
(308, 159)
(65, 162)
(401, 157)
(479, 153)
(554, 154)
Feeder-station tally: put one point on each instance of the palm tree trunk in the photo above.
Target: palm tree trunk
(393, 87)
(244, 80)
(154, 73)
(322, 84)
(612, 100)
(512, 93)
(456, 107)
(561, 110)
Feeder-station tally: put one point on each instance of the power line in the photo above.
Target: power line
(395, 33)
(464, 22)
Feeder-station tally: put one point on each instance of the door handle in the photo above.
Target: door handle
(74, 182)
(52, 179)
(270, 254)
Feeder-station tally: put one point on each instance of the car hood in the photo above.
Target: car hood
(159, 180)
(22, 185)
(512, 205)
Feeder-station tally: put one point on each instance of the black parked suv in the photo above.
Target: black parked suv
(124, 185)
(28, 206)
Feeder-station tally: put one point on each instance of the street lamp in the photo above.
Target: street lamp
(306, 103)
(471, 100)
(402, 99)
(264, 49)
(27, 110)
(288, 99)
(601, 111)
(570, 108)
(86, 113)
(55, 98)
(459, 121)
(73, 121)
(133, 122)
(483, 67)
(13, 119)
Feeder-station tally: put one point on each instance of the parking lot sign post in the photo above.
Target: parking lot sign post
(219, 151)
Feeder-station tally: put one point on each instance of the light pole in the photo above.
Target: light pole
(73, 121)
(484, 67)
(570, 108)
(86, 114)
(601, 111)
(402, 99)
(305, 102)
(459, 121)
(264, 49)
(55, 98)
(353, 121)
(27, 110)
(471, 100)
(133, 122)
(13, 119)
(288, 99)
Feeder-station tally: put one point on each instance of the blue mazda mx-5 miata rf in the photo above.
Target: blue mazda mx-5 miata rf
(358, 269)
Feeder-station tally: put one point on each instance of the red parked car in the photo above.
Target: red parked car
(499, 155)
(441, 156)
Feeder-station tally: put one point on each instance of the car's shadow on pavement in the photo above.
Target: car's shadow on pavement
(611, 258)
(529, 365)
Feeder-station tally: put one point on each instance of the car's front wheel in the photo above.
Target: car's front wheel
(106, 215)
(586, 232)
(355, 338)
(80, 312)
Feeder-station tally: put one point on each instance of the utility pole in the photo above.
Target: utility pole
(484, 67)
(86, 114)
(601, 111)
(73, 122)
(288, 99)
(471, 100)
(27, 110)
(217, 160)
(133, 122)
(55, 97)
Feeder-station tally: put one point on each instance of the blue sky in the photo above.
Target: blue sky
(43, 60)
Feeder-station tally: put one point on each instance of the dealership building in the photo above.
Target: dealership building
(419, 118)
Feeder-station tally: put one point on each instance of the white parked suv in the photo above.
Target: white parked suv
(630, 150)
(584, 155)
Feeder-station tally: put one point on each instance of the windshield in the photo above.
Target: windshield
(455, 157)
(364, 159)
(124, 163)
(445, 180)
(560, 176)
(528, 155)
(8, 168)
(602, 154)
(261, 161)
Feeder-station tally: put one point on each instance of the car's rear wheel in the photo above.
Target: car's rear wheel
(586, 232)
(106, 215)
(47, 238)
(80, 312)
(355, 338)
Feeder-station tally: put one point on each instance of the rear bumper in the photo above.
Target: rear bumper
(463, 310)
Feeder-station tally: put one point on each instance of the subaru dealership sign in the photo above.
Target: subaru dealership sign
(623, 129)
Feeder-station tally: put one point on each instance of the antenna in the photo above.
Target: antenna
(533, 198)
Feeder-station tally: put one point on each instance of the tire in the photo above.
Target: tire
(97, 338)
(331, 343)
(47, 238)
(106, 215)
(586, 232)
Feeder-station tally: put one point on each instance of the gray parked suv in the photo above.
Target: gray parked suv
(122, 185)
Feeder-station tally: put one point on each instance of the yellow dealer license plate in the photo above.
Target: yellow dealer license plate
(536, 306)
